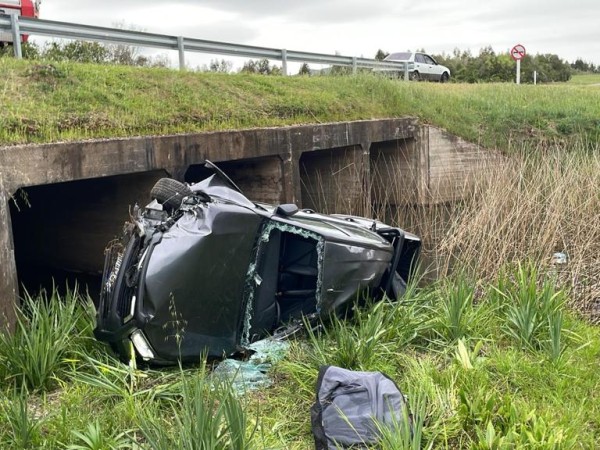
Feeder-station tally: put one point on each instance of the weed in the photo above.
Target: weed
(454, 314)
(534, 205)
(533, 314)
(93, 438)
(466, 358)
(48, 332)
(407, 433)
(360, 346)
(23, 430)
(207, 416)
(555, 347)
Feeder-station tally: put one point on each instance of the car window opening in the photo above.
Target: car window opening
(284, 279)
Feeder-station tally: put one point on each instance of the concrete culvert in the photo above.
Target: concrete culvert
(170, 193)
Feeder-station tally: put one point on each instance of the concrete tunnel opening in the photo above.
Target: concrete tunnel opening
(60, 230)
(336, 180)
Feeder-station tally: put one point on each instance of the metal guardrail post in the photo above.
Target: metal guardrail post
(16, 35)
(181, 49)
(354, 65)
(405, 71)
(284, 61)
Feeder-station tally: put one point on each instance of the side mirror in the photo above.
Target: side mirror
(286, 210)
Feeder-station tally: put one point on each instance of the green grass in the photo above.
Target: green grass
(484, 389)
(585, 79)
(69, 101)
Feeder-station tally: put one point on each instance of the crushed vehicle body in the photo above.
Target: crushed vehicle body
(202, 270)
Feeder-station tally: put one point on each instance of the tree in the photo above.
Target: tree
(583, 66)
(128, 55)
(304, 69)
(381, 55)
(261, 67)
(78, 51)
(490, 66)
(220, 66)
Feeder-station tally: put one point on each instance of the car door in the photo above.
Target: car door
(421, 66)
(434, 69)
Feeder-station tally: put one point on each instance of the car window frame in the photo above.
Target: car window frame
(431, 60)
(419, 57)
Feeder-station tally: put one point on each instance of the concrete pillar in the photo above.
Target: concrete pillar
(422, 164)
(8, 269)
(366, 207)
(290, 169)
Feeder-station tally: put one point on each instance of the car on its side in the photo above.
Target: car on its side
(421, 66)
(202, 270)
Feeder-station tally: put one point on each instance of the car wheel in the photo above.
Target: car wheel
(445, 77)
(415, 76)
(170, 193)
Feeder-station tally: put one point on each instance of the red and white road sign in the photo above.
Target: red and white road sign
(517, 52)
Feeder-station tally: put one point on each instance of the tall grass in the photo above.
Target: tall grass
(207, 416)
(454, 314)
(94, 438)
(406, 433)
(18, 427)
(50, 332)
(373, 335)
(484, 389)
(538, 200)
(533, 205)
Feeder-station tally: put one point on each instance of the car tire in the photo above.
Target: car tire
(170, 193)
(414, 76)
(445, 77)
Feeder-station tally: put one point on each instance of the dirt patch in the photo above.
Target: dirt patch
(88, 122)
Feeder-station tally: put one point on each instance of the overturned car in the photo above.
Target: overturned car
(202, 270)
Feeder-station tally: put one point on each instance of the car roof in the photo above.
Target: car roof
(399, 56)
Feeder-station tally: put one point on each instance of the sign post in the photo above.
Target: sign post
(518, 53)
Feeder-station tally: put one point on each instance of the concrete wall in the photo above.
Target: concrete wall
(80, 191)
(8, 270)
(453, 164)
(336, 180)
(394, 172)
(259, 178)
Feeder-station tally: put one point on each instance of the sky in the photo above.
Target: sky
(570, 29)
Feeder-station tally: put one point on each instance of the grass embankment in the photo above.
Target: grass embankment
(66, 101)
(585, 79)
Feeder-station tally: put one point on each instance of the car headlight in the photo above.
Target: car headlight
(141, 345)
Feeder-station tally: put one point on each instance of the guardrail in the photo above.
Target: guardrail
(19, 26)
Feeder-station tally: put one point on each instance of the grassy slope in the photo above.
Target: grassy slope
(585, 79)
(75, 101)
